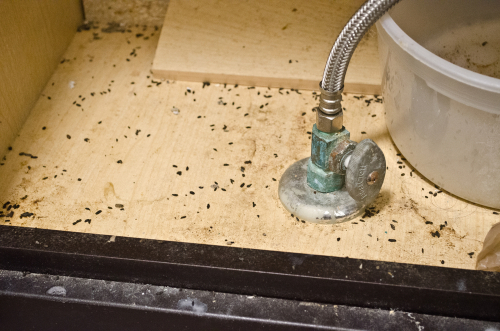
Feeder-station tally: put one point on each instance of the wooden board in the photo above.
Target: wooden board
(262, 43)
(163, 167)
(34, 36)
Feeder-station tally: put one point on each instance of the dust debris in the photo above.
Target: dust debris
(114, 27)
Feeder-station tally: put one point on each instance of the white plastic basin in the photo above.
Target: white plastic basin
(445, 118)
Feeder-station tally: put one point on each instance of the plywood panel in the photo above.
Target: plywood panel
(261, 43)
(34, 35)
(113, 150)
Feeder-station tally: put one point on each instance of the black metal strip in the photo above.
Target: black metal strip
(44, 302)
(353, 282)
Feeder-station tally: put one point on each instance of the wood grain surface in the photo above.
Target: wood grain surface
(34, 35)
(262, 43)
(122, 153)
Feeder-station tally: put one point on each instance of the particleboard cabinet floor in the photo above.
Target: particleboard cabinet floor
(109, 149)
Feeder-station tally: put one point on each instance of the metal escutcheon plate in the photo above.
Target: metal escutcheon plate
(312, 206)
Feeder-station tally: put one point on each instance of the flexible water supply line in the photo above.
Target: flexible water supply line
(348, 39)
(332, 83)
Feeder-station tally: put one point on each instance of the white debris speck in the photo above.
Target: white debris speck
(461, 285)
(176, 110)
(57, 290)
(71, 84)
(112, 239)
(253, 296)
(194, 305)
(361, 266)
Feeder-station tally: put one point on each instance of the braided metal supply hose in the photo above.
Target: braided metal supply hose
(329, 118)
(348, 39)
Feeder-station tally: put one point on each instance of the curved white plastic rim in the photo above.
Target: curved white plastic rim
(433, 61)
